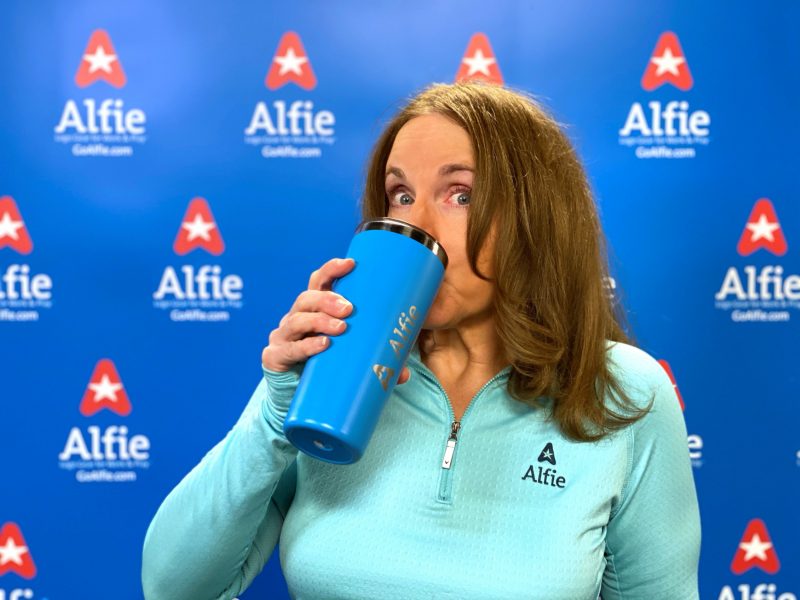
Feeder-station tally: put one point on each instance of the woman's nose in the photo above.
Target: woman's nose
(422, 215)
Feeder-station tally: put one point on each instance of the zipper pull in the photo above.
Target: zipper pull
(451, 445)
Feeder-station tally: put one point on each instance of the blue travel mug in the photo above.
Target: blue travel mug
(342, 391)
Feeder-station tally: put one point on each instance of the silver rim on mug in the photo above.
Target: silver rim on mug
(408, 230)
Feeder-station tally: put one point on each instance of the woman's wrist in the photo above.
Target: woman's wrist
(281, 386)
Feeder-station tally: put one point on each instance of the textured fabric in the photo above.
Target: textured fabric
(617, 517)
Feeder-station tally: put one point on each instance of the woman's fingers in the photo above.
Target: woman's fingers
(320, 301)
(317, 310)
(296, 326)
(317, 313)
(323, 278)
(281, 357)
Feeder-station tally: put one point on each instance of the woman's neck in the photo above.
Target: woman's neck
(474, 350)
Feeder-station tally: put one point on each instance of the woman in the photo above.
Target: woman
(569, 473)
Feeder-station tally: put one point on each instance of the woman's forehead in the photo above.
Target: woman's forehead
(431, 126)
(433, 141)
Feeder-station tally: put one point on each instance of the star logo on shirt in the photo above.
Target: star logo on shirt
(15, 556)
(13, 232)
(290, 64)
(105, 391)
(667, 64)
(755, 550)
(479, 62)
(198, 230)
(548, 454)
(762, 230)
(100, 62)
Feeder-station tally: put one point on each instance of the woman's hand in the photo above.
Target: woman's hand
(317, 310)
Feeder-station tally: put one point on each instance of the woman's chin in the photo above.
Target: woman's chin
(437, 319)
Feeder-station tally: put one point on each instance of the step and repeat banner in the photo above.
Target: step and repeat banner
(170, 174)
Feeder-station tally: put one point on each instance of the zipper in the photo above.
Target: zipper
(451, 444)
(444, 493)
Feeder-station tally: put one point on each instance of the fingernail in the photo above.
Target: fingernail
(343, 304)
(323, 341)
(337, 324)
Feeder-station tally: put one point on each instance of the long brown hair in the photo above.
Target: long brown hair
(553, 310)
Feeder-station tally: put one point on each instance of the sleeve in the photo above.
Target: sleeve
(217, 528)
(653, 535)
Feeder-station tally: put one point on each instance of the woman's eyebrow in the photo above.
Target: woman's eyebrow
(396, 172)
(443, 170)
(452, 168)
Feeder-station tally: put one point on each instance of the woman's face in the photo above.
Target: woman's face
(429, 175)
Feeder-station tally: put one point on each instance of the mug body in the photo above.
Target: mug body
(342, 391)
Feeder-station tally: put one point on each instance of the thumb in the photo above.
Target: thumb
(405, 375)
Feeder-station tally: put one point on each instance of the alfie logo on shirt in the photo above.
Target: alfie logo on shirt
(755, 551)
(22, 293)
(545, 475)
(200, 292)
(105, 454)
(666, 128)
(760, 291)
(479, 62)
(15, 558)
(290, 127)
(95, 127)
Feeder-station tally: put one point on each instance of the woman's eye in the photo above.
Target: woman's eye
(401, 198)
(461, 198)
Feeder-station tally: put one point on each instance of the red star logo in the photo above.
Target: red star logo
(479, 62)
(667, 65)
(13, 232)
(763, 230)
(15, 556)
(755, 550)
(198, 230)
(290, 64)
(105, 390)
(100, 61)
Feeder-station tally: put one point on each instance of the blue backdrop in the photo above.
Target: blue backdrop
(131, 343)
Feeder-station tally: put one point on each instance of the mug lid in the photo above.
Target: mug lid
(408, 230)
